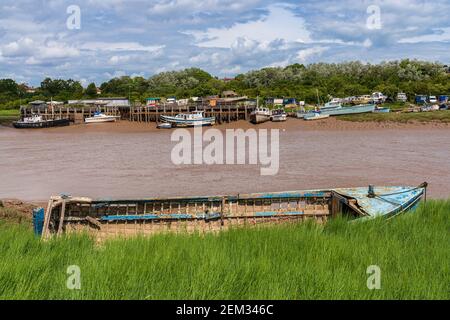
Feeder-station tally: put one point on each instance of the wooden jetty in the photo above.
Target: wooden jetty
(105, 218)
(226, 112)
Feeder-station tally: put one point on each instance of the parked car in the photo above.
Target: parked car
(432, 99)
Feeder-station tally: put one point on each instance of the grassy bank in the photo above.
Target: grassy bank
(436, 116)
(8, 116)
(304, 261)
(9, 113)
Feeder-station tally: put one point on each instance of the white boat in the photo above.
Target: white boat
(316, 116)
(278, 115)
(100, 118)
(260, 115)
(164, 125)
(189, 120)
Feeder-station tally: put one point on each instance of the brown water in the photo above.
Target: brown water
(132, 161)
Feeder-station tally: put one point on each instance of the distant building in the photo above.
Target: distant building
(108, 102)
(172, 100)
(152, 102)
(227, 79)
(289, 101)
(28, 89)
(99, 91)
(229, 94)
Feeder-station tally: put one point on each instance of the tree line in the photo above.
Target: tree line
(298, 81)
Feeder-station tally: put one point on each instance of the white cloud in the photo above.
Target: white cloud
(119, 46)
(173, 7)
(36, 53)
(280, 24)
(440, 35)
(19, 48)
(304, 55)
(114, 60)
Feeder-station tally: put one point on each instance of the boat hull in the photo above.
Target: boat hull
(316, 117)
(367, 108)
(41, 124)
(109, 218)
(100, 120)
(259, 118)
(176, 122)
(382, 110)
(279, 118)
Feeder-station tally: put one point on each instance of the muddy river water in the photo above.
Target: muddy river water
(122, 161)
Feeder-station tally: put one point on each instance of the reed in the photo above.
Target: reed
(301, 261)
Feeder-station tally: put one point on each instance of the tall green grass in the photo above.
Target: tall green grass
(303, 261)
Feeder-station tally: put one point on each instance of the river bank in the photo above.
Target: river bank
(330, 124)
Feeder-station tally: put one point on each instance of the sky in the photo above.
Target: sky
(96, 40)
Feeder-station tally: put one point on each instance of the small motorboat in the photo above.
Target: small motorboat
(382, 110)
(260, 115)
(316, 116)
(164, 125)
(36, 121)
(100, 118)
(278, 115)
(189, 120)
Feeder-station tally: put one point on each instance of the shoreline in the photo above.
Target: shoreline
(331, 124)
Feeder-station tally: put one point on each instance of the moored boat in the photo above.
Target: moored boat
(278, 115)
(106, 218)
(260, 115)
(36, 121)
(315, 116)
(164, 125)
(101, 118)
(189, 120)
(382, 110)
(336, 109)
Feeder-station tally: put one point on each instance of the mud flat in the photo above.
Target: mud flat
(129, 160)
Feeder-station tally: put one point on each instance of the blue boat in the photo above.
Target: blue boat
(336, 109)
(107, 217)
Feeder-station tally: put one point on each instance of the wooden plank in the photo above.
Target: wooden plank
(61, 219)
(45, 231)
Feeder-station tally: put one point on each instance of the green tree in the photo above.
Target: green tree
(91, 90)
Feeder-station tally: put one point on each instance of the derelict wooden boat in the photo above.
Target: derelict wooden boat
(108, 218)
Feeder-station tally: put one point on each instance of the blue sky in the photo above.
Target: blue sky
(225, 37)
